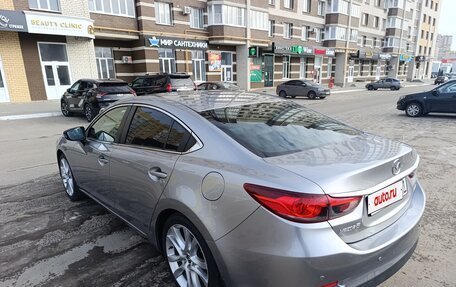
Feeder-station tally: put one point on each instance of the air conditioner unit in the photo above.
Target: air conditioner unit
(187, 10)
(127, 60)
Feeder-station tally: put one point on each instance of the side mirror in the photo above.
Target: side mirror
(68, 90)
(75, 134)
(304, 84)
(130, 84)
(435, 93)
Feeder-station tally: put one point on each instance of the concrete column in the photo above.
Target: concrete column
(394, 62)
(243, 67)
(340, 69)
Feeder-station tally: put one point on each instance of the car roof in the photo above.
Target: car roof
(200, 101)
(103, 80)
(181, 75)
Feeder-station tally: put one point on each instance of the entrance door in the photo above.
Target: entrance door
(55, 68)
(3, 88)
(317, 70)
(227, 73)
(351, 70)
(377, 73)
(268, 71)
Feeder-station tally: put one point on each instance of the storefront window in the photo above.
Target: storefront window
(105, 62)
(302, 68)
(199, 68)
(227, 67)
(114, 7)
(166, 60)
(52, 5)
(53, 52)
(286, 67)
(329, 71)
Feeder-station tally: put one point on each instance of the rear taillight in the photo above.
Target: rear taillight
(302, 207)
(132, 92)
(169, 88)
(332, 284)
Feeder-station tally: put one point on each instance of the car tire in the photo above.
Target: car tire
(178, 233)
(90, 111)
(311, 95)
(65, 109)
(282, 94)
(393, 88)
(321, 98)
(370, 87)
(68, 181)
(293, 97)
(413, 109)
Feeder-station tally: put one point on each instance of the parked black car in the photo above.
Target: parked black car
(218, 86)
(387, 83)
(440, 80)
(442, 99)
(303, 88)
(88, 96)
(162, 83)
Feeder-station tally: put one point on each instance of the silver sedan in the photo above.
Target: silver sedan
(243, 189)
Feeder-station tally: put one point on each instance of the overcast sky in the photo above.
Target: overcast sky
(447, 25)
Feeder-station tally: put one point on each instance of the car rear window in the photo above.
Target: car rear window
(278, 128)
(184, 81)
(114, 88)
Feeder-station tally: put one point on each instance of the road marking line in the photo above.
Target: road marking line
(29, 116)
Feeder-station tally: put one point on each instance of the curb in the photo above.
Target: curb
(30, 116)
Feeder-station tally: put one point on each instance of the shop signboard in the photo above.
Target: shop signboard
(215, 61)
(405, 58)
(45, 23)
(295, 49)
(330, 52)
(163, 42)
(256, 75)
(420, 58)
(320, 51)
(12, 21)
(384, 56)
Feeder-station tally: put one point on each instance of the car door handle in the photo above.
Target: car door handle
(156, 174)
(102, 160)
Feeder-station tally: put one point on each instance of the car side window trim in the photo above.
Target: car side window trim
(121, 126)
(198, 145)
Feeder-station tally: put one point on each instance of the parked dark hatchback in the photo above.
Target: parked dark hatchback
(88, 96)
(303, 88)
(388, 83)
(442, 99)
(162, 83)
(440, 80)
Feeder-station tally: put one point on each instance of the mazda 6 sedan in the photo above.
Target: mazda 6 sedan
(244, 189)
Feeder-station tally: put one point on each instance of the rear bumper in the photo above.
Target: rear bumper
(269, 251)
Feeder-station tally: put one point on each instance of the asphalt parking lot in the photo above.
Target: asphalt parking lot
(46, 240)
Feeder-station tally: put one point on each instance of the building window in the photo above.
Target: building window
(378, 3)
(394, 22)
(335, 33)
(376, 22)
(425, 49)
(302, 68)
(365, 19)
(432, 36)
(271, 2)
(321, 8)
(166, 60)
(271, 29)
(429, 20)
(427, 35)
(50, 5)
(419, 50)
(430, 51)
(163, 13)
(329, 68)
(113, 7)
(409, 31)
(317, 35)
(427, 3)
(258, 20)
(436, 5)
(353, 35)
(227, 67)
(286, 67)
(383, 24)
(226, 15)
(424, 18)
(199, 68)
(433, 22)
(105, 63)
(197, 18)
(341, 6)
(364, 41)
(304, 32)
(287, 30)
(288, 4)
(422, 34)
(374, 42)
(306, 6)
(432, 4)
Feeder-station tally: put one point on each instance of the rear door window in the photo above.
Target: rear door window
(278, 128)
(138, 82)
(178, 138)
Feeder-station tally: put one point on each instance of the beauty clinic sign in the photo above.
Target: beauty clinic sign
(41, 23)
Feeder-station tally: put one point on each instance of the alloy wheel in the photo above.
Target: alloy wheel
(185, 257)
(64, 108)
(413, 110)
(88, 112)
(67, 176)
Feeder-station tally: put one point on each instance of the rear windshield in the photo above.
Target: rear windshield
(114, 88)
(278, 128)
(185, 81)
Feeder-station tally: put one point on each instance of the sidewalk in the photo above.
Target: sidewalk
(29, 110)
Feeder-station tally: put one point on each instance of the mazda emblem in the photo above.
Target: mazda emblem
(397, 166)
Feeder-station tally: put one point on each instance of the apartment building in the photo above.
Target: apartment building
(443, 47)
(51, 43)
